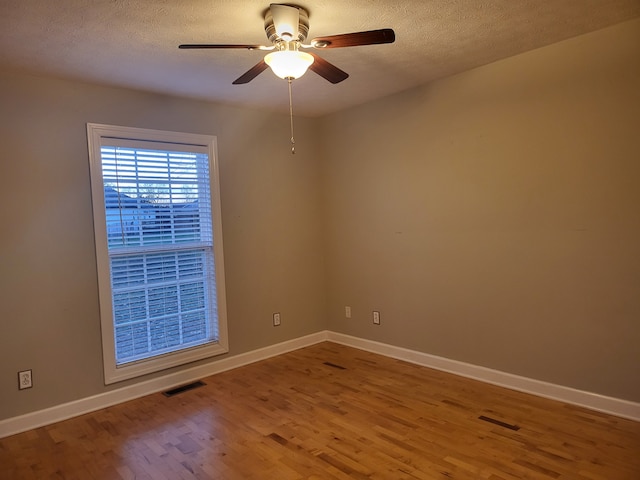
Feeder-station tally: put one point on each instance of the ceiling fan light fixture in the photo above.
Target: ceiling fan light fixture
(289, 63)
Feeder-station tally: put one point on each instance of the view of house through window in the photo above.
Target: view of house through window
(155, 202)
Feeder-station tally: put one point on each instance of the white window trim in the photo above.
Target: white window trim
(112, 372)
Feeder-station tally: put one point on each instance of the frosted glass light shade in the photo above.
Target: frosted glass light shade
(289, 63)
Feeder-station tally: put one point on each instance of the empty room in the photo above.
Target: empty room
(320, 240)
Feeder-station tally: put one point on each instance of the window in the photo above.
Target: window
(156, 209)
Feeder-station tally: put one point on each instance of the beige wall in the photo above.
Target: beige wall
(48, 284)
(494, 217)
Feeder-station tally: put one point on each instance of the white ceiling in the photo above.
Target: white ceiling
(133, 43)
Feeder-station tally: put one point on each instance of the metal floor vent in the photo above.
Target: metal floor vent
(498, 422)
(340, 367)
(183, 388)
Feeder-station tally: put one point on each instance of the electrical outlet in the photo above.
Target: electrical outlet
(347, 312)
(25, 380)
(376, 317)
(276, 319)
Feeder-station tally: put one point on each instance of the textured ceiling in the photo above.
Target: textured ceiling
(133, 43)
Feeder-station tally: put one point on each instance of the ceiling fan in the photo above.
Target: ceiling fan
(287, 27)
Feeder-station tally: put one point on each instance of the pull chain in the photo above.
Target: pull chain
(293, 141)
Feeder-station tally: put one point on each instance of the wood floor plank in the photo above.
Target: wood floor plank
(331, 412)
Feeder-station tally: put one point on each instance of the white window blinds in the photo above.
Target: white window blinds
(157, 207)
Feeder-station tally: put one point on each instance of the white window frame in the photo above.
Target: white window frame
(97, 134)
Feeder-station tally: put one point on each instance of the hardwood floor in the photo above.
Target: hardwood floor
(331, 412)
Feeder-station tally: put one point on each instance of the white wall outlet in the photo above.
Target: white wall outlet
(276, 319)
(376, 317)
(25, 380)
(347, 312)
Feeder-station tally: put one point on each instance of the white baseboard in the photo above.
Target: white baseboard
(58, 413)
(601, 403)
(593, 401)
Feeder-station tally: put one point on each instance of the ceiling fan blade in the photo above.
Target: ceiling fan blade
(252, 73)
(188, 46)
(371, 37)
(327, 70)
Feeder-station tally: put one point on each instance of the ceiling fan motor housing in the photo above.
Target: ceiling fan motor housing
(303, 24)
